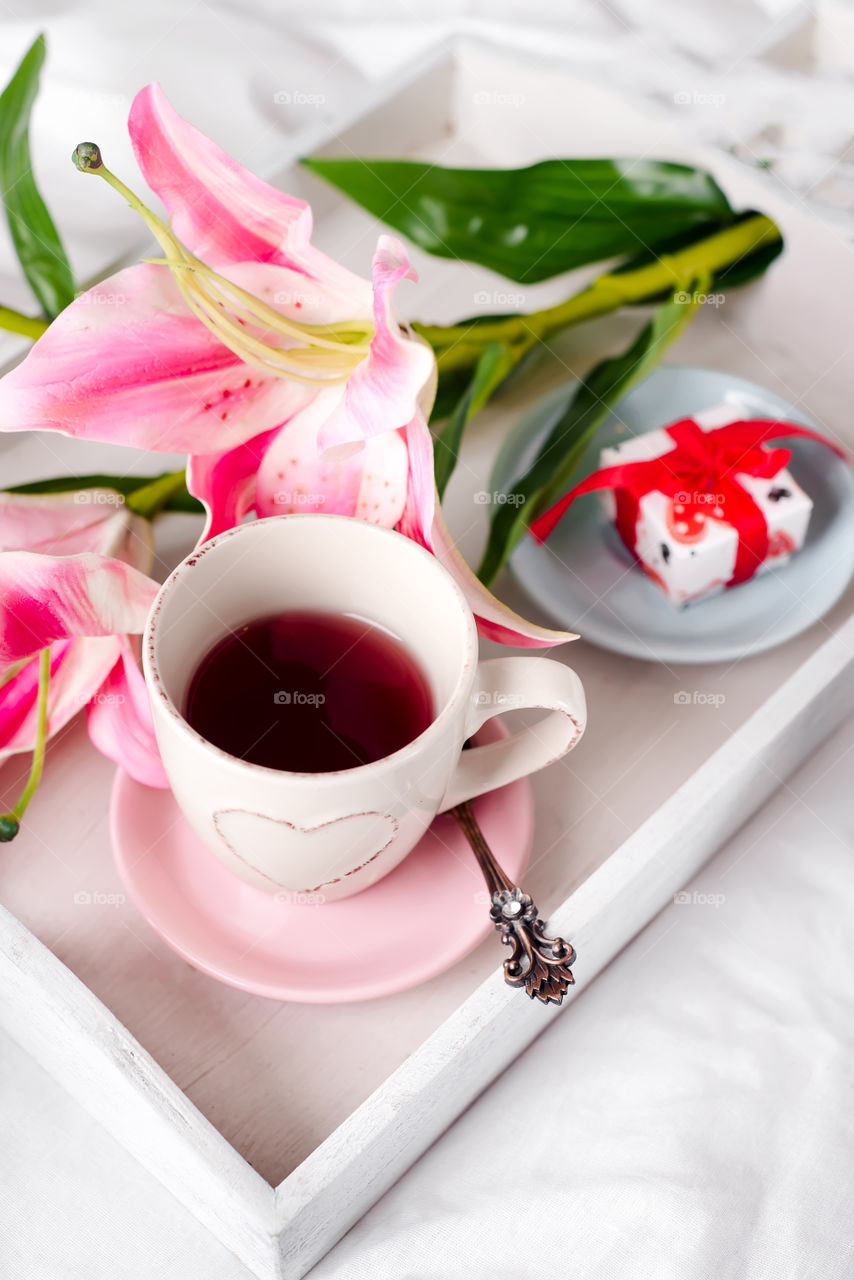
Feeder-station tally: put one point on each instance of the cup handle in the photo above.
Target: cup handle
(505, 684)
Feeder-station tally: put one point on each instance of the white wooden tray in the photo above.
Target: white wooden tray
(279, 1125)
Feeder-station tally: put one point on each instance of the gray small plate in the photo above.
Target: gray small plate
(586, 580)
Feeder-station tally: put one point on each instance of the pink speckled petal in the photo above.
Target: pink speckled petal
(295, 476)
(383, 483)
(383, 391)
(120, 725)
(49, 598)
(137, 368)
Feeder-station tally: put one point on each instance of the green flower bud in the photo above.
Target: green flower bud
(87, 157)
(9, 827)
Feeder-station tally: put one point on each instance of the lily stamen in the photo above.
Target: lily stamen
(263, 313)
(280, 361)
(319, 354)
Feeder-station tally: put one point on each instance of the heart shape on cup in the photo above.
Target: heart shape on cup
(340, 847)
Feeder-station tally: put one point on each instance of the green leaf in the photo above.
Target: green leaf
(491, 370)
(531, 224)
(34, 235)
(553, 468)
(180, 501)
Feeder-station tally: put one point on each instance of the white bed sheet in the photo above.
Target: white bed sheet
(690, 1118)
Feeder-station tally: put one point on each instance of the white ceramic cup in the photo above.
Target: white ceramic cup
(336, 833)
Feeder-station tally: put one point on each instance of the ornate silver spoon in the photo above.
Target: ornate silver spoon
(539, 964)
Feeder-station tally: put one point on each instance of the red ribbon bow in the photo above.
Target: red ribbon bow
(702, 463)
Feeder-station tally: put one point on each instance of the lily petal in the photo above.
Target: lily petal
(421, 496)
(120, 725)
(495, 621)
(128, 363)
(424, 522)
(77, 670)
(295, 476)
(221, 211)
(383, 391)
(49, 598)
(63, 524)
(57, 523)
(226, 482)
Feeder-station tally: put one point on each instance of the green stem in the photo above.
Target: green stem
(458, 345)
(150, 499)
(10, 822)
(16, 322)
(670, 272)
(41, 737)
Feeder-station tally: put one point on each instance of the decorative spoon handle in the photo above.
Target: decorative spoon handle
(539, 964)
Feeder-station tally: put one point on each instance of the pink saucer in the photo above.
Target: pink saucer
(418, 921)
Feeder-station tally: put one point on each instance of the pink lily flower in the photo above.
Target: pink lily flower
(72, 579)
(283, 375)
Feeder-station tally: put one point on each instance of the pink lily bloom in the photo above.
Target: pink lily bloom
(72, 579)
(283, 375)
